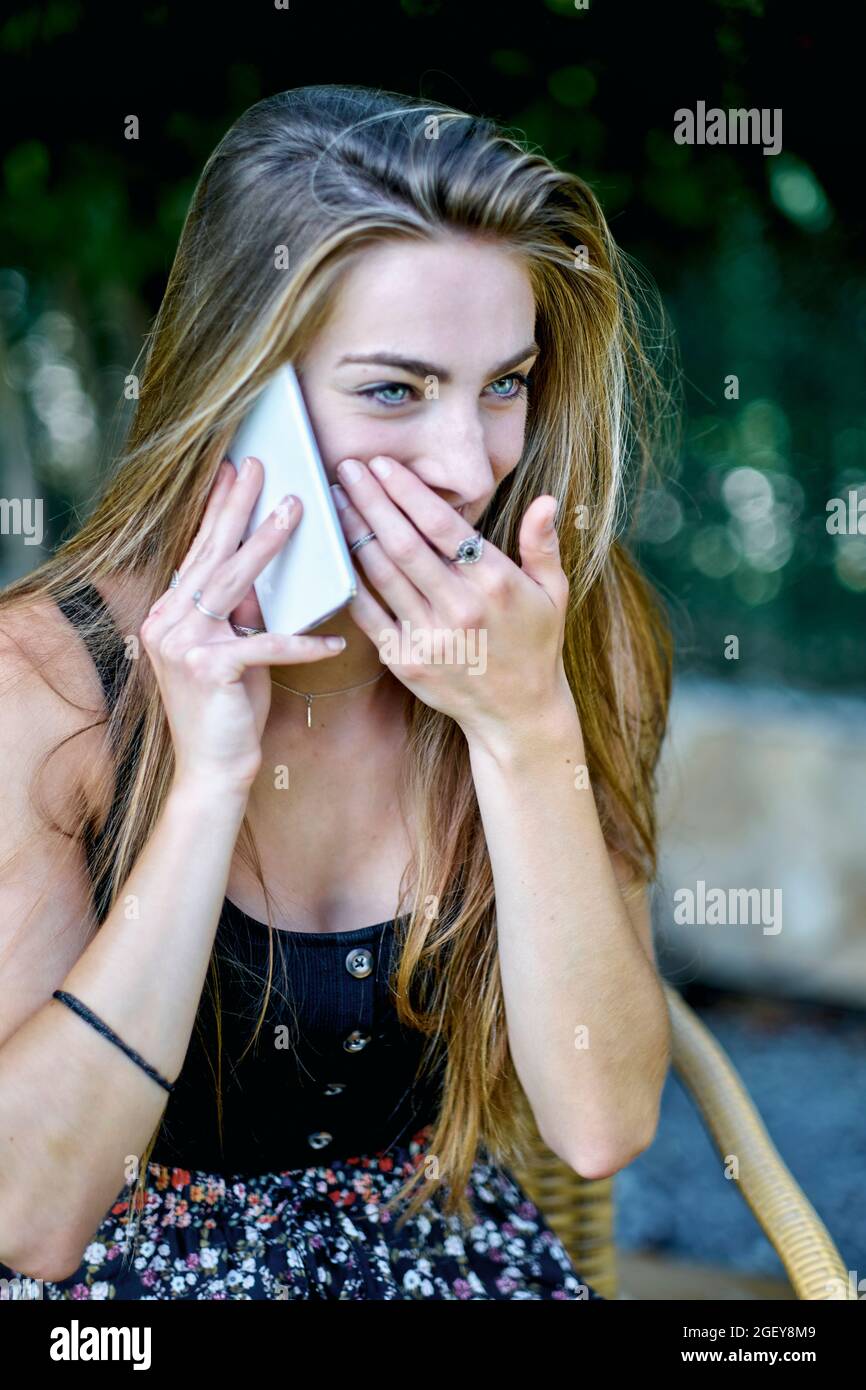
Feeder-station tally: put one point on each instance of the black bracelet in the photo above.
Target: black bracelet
(83, 1012)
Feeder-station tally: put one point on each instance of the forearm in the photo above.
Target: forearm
(73, 1106)
(587, 1020)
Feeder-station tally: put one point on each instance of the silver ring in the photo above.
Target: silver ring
(174, 579)
(220, 617)
(469, 552)
(247, 631)
(362, 540)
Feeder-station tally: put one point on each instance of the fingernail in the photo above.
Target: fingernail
(336, 644)
(340, 498)
(349, 471)
(284, 511)
(247, 467)
(380, 466)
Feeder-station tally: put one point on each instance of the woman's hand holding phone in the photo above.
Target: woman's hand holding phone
(215, 685)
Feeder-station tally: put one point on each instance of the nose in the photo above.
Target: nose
(453, 458)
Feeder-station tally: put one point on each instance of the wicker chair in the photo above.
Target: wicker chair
(580, 1210)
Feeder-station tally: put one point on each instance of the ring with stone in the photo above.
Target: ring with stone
(469, 552)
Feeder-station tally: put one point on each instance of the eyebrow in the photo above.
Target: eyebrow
(414, 367)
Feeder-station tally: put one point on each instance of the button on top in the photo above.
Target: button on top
(318, 1141)
(356, 1041)
(333, 1088)
(359, 962)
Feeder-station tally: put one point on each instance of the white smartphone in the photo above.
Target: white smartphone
(312, 577)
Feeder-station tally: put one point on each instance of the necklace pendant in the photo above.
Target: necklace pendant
(309, 700)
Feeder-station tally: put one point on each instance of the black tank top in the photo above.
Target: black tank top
(332, 1072)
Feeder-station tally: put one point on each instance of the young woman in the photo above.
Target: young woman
(205, 1044)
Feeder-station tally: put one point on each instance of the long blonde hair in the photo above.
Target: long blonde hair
(315, 176)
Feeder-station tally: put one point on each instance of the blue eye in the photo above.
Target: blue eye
(376, 392)
(522, 385)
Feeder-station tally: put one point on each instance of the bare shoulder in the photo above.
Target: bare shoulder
(51, 701)
(50, 690)
(37, 637)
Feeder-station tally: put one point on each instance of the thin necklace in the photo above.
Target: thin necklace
(320, 695)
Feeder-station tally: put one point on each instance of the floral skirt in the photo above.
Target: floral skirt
(322, 1233)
